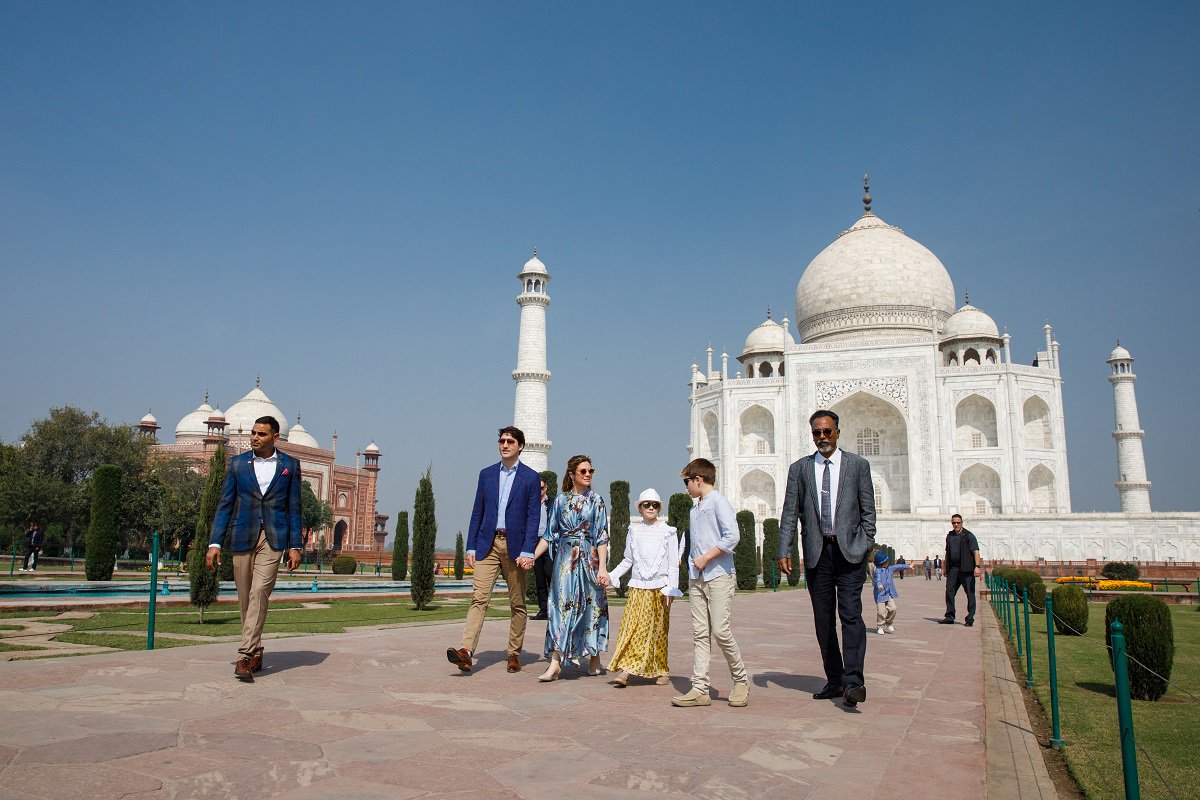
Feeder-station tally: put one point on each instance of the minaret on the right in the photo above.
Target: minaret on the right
(1132, 482)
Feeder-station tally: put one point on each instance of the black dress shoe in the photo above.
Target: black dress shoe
(946, 621)
(540, 615)
(855, 694)
(829, 692)
(970, 623)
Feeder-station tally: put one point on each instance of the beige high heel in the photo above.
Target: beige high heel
(553, 672)
(663, 680)
(595, 667)
(621, 681)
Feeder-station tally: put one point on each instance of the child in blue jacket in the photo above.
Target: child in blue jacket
(885, 592)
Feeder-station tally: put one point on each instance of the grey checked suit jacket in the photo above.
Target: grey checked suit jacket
(854, 517)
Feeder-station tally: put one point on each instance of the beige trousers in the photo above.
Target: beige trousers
(885, 613)
(712, 606)
(487, 570)
(254, 575)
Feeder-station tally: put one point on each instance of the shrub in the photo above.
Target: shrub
(679, 517)
(400, 548)
(421, 584)
(460, 558)
(770, 553)
(745, 552)
(104, 526)
(344, 565)
(618, 529)
(797, 566)
(1120, 571)
(1028, 579)
(1070, 610)
(1149, 641)
(204, 585)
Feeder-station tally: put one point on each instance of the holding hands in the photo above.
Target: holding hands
(524, 562)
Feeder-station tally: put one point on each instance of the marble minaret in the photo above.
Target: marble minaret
(1131, 461)
(531, 375)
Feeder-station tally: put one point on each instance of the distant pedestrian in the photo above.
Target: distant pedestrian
(543, 565)
(937, 567)
(885, 592)
(962, 565)
(33, 547)
(901, 560)
(928, 565)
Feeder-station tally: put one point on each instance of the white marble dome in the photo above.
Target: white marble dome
(195, 424)
(872, 280)
(241, 415)
(534, 266)
(970, 323)
(148, 419)
(372, 449)
(1120, 354)
(769, 337)
(298, 435)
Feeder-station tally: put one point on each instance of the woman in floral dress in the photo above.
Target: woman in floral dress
(577, 537)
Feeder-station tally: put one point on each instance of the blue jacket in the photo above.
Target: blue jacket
(885, 584)
(521, 517)
(243, 507)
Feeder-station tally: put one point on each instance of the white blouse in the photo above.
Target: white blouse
(651, 558)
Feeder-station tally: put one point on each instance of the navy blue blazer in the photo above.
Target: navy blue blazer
(521, 516)
(243, 507)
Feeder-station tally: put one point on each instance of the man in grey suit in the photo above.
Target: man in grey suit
(830, 496)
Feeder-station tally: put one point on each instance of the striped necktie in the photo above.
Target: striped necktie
(826, 503)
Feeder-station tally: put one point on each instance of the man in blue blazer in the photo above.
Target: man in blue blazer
(260, 504)
(831, 499)
(500, 541)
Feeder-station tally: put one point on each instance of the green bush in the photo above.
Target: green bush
(1070, 610)
(103, 528)
(400, 548)
(1028, 579)
(679, 517)
(424, 538)
(797, 566)
(618, 529)
(460, 560)
(1120, 571)
(770, 551)
(1149, 641)
(745, 553)
(344, 565)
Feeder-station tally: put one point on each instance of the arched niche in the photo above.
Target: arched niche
(709, 442)
(1037, 424)
(974, 423)
(979, 490)
(1042, 496)
(862, 412)
(757, 432)
(758, 494)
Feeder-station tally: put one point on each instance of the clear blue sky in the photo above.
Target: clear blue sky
(338, 197)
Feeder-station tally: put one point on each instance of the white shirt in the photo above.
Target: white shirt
(835, 471)
(264, 470)
(651, 558)
(507, 476)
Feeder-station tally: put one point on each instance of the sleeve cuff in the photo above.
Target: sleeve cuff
(526, 555)
(672, 591)
(216, 546)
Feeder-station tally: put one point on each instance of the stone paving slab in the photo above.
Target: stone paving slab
(380, 713)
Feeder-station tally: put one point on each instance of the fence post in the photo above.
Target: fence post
(1017, 618)
(1008, 622)
(1028, 645)
(1125, 713)
(1056, 740)
(13, 564)
(153, 589)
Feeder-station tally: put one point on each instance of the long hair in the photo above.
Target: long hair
(572, 464)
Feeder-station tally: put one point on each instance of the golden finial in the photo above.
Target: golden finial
(867, 193)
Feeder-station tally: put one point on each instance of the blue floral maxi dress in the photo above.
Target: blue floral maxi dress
(577, 606)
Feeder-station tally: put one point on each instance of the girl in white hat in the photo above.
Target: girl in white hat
(652, 561)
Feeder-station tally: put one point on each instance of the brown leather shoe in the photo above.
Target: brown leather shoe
(460, 657)
(256, 662)
(514, 663)
(242, 670)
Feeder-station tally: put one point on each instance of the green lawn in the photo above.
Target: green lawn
(1088, 710)
(121, 641)
(6, 647)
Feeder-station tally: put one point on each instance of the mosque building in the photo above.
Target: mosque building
(931, 395)
(350, 491)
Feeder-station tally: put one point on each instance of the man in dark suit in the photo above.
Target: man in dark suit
(260, 505)
(831, 499)
(500, 542)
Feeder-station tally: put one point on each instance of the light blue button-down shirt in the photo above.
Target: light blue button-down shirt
(507, 476)
(714, 524)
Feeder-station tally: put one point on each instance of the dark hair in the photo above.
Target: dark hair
(268, 420)
(549, 492)
(700, 468)
(573, 464)
(958, 516)
(515, 432)
(824, 413)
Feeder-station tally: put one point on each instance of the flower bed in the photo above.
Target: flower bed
(1102, 585)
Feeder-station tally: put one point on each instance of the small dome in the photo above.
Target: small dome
(534, 266)
(255, 404)
(298, 435)
(1120, 354)
(148, 420)
(769, 337)
(217, 414)
(372, 449)
(195, 424)
(969, 323)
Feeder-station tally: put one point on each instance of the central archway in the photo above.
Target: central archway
(883, 428)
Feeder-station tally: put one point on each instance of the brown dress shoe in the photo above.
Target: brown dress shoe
(242, 670)
(256, 662)
(460, 657)
(514, 663)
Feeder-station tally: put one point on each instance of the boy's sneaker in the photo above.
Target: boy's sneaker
(739, 695)
(889, 629)
(694, 697)
(879, 631)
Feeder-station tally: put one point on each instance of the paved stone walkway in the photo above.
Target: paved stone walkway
(381, 714)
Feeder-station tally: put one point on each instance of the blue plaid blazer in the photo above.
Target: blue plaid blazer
(243, 507)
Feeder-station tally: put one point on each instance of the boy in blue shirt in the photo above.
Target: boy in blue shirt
(885, 592)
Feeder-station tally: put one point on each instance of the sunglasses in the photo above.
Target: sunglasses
(586, 471)
(508, 441)
(651, 504)
(822, 432)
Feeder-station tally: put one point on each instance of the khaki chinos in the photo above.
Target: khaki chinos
(487, 570)
(254, 574)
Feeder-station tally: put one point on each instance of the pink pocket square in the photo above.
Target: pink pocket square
(285, 472)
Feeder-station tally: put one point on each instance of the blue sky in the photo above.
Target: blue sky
(338, 197)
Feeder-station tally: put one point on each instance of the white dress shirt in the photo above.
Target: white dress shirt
(651, 558)
(264, 470)
(835, 471)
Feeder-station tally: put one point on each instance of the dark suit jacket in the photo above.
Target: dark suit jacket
(243, 507)
(521, 516)
(854, 517)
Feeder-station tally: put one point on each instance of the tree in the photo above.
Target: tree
(679, 517)
(459, 558)
(421, 586)
(551, 479)
(315, 514)
(204, 583)
(400, 548)
(105, 523)
(618, 528)
(770, 553)
(797, 566)
(181, 487)
(745, 555)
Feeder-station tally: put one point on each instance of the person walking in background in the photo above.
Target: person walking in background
(260, 504)
(500, 541)
(711, 585)
(33, 547)
(577, 534)
(928, 565)
(901, 560)
(937, 566)
(885, 592)
(543, 565)
(962, 566)
(830, 504)
(652, 560)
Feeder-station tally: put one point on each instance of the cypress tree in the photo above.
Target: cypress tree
(679, 517)
(551, 479)
(797, 569)
(105, 526)
(205, 584)
(618, 528)
(424, 539)
(770, 550)
(459, 557)
(400, 548)
(745, 555)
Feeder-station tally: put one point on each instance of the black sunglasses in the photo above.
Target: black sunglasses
(822, 431)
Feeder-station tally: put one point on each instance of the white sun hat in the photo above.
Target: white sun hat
(649, 496)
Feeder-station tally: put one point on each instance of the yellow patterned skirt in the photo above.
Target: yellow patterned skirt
(641, 647)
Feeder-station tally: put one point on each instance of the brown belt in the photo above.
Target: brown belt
(500, 532)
